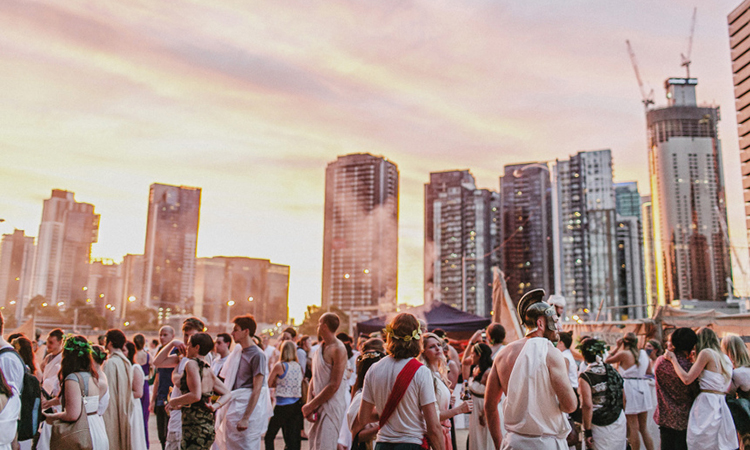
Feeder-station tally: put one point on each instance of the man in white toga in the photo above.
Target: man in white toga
(532, 374)
(326, 395)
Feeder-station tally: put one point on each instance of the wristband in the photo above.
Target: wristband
(588, 433)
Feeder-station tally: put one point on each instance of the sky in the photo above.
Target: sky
(250, 100)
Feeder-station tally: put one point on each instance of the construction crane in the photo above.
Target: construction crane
(686, 58)
(645, 99)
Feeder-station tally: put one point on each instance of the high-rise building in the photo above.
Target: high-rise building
(171, 240)
(16, 269)
(230, 286)
(104, 289)
(627, 199)
(360, 242)
(585, 239)
(687, 195)
(458, 242)
(132, 269)
(67, 230)
(631, 289)
(649, 263)
(739, 31)
(527, 257)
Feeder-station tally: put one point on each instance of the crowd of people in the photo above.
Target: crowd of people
(401, 389)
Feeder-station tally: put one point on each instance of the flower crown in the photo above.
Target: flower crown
(82, 347)
(98, 354)
(416, 334)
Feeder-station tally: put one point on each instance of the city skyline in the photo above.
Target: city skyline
(222, 97)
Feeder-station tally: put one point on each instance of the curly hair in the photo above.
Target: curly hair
(399, 342)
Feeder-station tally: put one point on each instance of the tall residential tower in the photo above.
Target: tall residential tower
(458, 242)
(171, 240)
(61, 267)
(360, 242)
(687, 195)
(527, 257)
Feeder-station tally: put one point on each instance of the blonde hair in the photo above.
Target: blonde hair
(442, 365)
(288, 351)
(735, 348)
(707, 340)
(630, 342)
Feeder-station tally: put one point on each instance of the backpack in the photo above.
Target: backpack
(31, 401)
(612, 407)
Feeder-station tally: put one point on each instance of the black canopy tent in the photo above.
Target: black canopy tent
(458, 324)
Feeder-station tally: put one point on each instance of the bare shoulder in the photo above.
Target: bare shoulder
(555, 356)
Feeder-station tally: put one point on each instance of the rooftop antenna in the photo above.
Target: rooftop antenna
(645, 99)
(686, 58)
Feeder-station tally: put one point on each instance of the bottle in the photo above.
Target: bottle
(466, 395)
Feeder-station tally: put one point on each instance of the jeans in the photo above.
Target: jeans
(289, 419)
(672, 439)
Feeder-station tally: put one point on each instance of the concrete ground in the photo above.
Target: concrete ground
(461, 436)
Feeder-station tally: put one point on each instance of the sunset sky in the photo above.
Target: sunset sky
(250, 100)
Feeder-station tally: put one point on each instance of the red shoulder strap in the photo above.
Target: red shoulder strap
(399, 389)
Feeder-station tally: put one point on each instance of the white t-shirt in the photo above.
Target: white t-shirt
(406, 424)
(13, 369)
(572, 367)
(175, 416)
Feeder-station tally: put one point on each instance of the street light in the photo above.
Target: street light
(231, 303)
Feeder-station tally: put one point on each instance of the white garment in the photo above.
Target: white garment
(96, 424)
(741, 379)
(572, 367)
(637, 389)
(51, 384)
(175, 416)
(351, 413)
(325, 431)
(531, 406)
(513, 441)
(227, 436)
(103, 402)
(9, 421)
(613, 436)
(137, 432)
(406, 424)
(217, 364)
(710, 424)
(258, 423)
(479, 435)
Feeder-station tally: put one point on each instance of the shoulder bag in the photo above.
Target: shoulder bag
(73, 435)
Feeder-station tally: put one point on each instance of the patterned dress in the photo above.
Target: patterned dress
(197, 420)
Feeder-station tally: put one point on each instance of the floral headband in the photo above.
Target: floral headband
(98, 354)
(416, 334)
(73, 345)
(370, 354)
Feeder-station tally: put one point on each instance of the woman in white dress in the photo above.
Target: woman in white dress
(481, 363)
(10, 408)
(76, 370)
(710, 424)
(633, 365)
(137, 431)
(734, 348)
(364, 435)
(99, 355)
(434, 358)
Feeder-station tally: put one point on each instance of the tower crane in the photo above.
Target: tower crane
(645, 99)
(686, 58)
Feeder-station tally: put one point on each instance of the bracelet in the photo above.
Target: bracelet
(588, 433)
